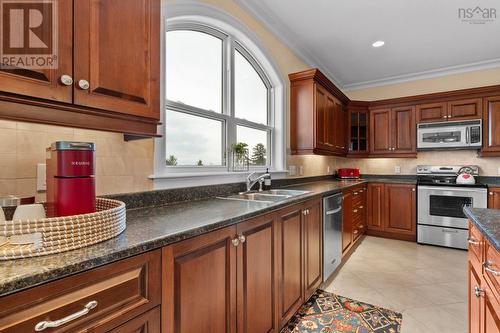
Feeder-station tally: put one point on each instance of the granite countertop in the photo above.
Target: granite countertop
(154, 227)
(488, 222)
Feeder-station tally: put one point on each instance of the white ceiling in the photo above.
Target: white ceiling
(423, 38)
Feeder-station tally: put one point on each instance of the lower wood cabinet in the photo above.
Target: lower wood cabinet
(494, 198)
(484, 289)
(251, 277)
(120, 297)
(353, 216)
(392, 210)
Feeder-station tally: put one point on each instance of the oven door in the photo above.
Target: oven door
(441, 137)
(443, 205)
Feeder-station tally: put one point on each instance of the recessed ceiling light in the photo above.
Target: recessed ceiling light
(378, 43)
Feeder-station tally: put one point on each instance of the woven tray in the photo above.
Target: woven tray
(31, 238)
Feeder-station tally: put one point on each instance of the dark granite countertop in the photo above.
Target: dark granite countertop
(148, 229)
(488, 222)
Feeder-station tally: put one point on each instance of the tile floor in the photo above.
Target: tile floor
(427, 284)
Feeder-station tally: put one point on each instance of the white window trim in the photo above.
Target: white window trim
(197, 14)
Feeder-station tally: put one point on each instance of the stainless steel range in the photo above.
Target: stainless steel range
(440, 217)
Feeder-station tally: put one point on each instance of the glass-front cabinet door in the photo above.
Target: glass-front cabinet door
(358, 128)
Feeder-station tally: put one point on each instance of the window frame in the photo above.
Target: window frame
(230, 45)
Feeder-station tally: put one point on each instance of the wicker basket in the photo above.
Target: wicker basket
(31, 238)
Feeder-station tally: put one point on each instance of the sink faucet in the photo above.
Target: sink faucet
(260, 179)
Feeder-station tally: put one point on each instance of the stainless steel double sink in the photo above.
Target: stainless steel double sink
(266, 196)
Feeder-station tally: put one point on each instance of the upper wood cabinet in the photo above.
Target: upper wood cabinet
(46, 83)
(432, 112)
(108, 70)
(465, 109)
(357, 128)
(491, 126)
(318, 118)
(392, 132)
(116, 56)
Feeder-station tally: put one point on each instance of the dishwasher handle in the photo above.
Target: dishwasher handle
(333, 211)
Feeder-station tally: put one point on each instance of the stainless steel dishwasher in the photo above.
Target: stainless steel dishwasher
(332, 234)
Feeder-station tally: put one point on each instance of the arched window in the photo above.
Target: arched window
(220, 91)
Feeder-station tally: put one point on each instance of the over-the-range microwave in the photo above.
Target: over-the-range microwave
(450, 135)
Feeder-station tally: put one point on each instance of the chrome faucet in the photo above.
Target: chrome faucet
(260, 180)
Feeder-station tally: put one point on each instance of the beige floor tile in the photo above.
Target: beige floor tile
(427, 284)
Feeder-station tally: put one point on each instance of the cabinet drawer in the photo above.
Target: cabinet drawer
(475, 241)
(358, 196)
(492, 269)
(103, 297)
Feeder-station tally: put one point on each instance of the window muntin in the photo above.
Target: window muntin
(194, 69)
(245, 112)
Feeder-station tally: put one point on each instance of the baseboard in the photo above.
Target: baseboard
(391, 235)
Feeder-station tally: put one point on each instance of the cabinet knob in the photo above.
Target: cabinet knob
(444, 117)
(235, 241)
(355, 232)
(66, 80)
(491, 193)
(361, 207)
(83, 84)
(242, 238)
(355, 211)
(478, 291)
(413, 189)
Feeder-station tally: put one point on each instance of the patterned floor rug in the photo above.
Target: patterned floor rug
(325, 312)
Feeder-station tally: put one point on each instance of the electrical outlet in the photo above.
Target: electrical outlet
(41, 182)
(292, 170)
(328, 170)
(301, 170)
(397, 169)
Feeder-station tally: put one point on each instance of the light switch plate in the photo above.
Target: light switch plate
(397, 169)
(41, 183)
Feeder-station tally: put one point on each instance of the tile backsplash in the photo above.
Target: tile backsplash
(120, 166)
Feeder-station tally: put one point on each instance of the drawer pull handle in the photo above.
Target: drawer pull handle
(355, 211)
(355, 232)
(333, 211)
(361, 207)
(56, 323)
(491, 270)
(472, 241)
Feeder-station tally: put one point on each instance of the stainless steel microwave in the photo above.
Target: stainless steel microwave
(450, 135)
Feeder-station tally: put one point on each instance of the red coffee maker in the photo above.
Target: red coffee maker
(70, 178)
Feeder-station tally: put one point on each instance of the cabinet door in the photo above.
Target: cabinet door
(491, 125)
(403, 129)
(116, 50)
(321, 122)
(346, 220)
(340, 128)
(313, 247)
(45, 83)
(199, 284)
(494, 198)
(257, 257)
(330, 121)
(490, 312)
(432, 112)
(148, 322)
(375, 203)
(380, 131)
(474, 301)
(465, 109)
(291, 258)
(399, 210)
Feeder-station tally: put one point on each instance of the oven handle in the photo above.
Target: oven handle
(453, 189)
(467, 134)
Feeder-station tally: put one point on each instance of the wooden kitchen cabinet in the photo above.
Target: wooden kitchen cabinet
(353, 216)
(400, 209)
(46, 83)
(99, 83)
(346, 220)
(148, 322)
(313, 247)
(257, 274)
(392, 211)
(357, 128)
(494, 197)
(120, 79)
(491, 126)
(431, 112)
(120, 291)
(465, 109)
(317, 118)
(392, 132)
(199, 283)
